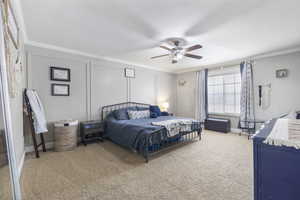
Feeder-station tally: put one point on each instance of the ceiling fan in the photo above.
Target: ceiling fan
(177, 52)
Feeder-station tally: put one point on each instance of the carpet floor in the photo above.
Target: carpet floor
(219, 167)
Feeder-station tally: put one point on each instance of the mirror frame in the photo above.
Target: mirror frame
(6, 114)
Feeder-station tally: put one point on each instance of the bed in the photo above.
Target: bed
(140, 135)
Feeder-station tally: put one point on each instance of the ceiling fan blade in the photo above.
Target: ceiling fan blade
(166, 48)
(160, 56)
(193, 56)
(192, 48)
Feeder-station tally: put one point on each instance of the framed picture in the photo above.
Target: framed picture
(60, 74)
(129, 73)
(12, 24)
(281, 73)
(60, 89)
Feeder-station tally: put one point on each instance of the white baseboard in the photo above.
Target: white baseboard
(21, 164)
(235, 130)
(28, 149)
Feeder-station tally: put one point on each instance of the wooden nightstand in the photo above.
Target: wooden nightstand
(91, 131)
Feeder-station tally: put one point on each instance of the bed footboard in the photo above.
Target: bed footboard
(152, 148)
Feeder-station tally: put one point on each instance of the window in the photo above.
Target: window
(224, 93)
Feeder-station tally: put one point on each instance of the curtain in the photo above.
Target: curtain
(201, 110)
(247, 96)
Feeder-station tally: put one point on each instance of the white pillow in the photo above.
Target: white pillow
(141, 114)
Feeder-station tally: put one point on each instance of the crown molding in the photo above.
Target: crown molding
(277, 53)
(192, 69)
(239, 60)
(88, 55)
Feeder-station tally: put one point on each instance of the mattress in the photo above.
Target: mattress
(133, 134)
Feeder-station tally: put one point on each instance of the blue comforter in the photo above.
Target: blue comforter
(133, 133)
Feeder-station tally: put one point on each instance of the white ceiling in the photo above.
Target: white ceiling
(131, 30)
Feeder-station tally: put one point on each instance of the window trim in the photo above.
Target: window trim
(225, 114)
(223, 84)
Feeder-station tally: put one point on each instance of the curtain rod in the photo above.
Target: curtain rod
(237, 63)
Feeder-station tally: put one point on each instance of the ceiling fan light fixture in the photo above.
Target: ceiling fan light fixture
(178, 56)
(178, 52)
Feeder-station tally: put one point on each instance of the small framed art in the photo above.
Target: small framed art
(60, 74)
(129, 73)
(60, 89)
(281, 73)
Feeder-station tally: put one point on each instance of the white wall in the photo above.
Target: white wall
(285, 93)
(94, 83)
(186, 95)
(108, 86)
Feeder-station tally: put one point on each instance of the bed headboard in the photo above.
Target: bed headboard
(109, 108)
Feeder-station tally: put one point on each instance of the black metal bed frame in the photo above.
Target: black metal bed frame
(151, 149)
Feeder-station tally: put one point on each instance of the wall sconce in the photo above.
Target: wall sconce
(181, 82)
(264, 93)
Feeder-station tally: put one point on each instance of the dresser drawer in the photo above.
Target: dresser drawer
(92, 126)
(93, 130)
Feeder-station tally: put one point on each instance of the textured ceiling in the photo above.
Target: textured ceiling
(131, 30)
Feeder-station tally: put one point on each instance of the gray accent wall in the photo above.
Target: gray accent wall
(285, 95)
(94, 83)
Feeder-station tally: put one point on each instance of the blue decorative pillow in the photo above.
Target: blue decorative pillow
(121, 114)
(164, 114)
(153, 115)
(156, 110)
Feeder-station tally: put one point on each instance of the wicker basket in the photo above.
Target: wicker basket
(65, 135)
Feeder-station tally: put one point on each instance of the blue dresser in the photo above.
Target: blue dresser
(276, 169)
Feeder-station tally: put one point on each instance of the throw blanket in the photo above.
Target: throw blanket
(40, 123)
(175, 126)
(286, 132)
